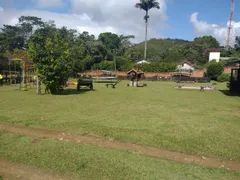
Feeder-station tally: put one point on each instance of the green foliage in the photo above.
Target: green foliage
(104, 65)
(207, 41)
(157, 67)
(123, 64)
(175, 50)
(215, 69)
(49, 49)
(17, 36)
(3, 41)
(224, 77)
(110, 40)
(146, 5)
(13, 37)
(3, 62)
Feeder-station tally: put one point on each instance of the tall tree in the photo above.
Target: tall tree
(13, 37)
(49, 49)
(28, 24)
(147, 5)
(110, 40)
(125, 43)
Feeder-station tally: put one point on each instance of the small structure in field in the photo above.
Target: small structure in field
(135, 78)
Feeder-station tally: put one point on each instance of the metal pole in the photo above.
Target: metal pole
(115, 64)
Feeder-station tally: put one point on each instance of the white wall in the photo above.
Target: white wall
(214, 56)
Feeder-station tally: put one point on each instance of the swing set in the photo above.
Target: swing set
(24, 76)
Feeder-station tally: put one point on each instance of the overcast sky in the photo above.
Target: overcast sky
(183, 19)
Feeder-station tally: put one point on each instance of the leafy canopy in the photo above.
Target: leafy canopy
(49, 49)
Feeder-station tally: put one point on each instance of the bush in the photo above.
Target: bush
(123, 64)
(224, 77)
(214, 70)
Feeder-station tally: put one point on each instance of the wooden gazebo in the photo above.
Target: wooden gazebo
(135, 77)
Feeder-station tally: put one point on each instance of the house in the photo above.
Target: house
(217, 56)
(185, 66)
(214, 56)
(142, 62)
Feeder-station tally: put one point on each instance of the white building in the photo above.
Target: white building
(217, 56)
(214, 56)
(185, 67)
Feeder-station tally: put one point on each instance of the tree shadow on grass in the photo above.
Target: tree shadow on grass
(74, 91)
(228, 93)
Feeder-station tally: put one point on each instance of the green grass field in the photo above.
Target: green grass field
(87, 162)
(204, 123)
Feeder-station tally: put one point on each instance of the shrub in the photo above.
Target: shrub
(123, 64)
(214, 70)
(224, 77)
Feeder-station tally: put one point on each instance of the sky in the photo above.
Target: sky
(182, 19)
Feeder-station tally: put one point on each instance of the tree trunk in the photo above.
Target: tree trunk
(146, 31)
(38, 86)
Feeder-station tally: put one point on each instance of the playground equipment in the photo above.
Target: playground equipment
(24, 75)
(234, 83)
(135, 78)
(104, 76)
(72, 83)
(84, 81)
(201, 88)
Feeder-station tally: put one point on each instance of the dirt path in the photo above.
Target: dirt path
(118, 145)
(12, 171)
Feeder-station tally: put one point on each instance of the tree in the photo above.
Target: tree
(13, 37)
(110, 40)
(215, 69)
(237, 43)
(125, 43)
(49, 49)
(3, 46)
(17, 36)
(28, 24)
(147, 5)
(207, 42)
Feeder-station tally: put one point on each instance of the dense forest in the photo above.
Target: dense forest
(43, 42)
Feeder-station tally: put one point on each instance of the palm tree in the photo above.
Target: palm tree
(146, 5)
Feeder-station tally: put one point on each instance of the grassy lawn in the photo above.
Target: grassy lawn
(205, 123)
(87, 162)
